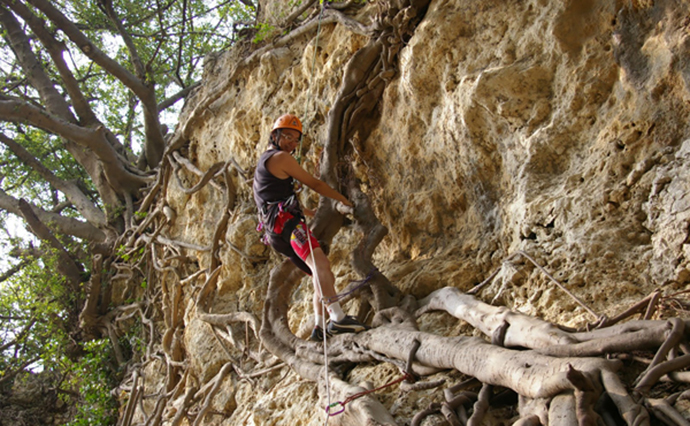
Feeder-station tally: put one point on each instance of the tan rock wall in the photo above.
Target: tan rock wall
(554, 127)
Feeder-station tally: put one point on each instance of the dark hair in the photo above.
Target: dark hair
(273, 138)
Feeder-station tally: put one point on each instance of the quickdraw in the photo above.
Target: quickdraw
(342, 404)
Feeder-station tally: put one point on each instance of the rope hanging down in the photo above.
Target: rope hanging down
(311, 249)
(325, 301)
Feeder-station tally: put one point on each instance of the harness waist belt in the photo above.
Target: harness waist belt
(290, 226)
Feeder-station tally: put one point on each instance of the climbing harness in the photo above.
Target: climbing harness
(406, 376)
(288, 227)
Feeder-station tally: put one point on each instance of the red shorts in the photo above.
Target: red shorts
(298, 239)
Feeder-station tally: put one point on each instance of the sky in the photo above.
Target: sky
(14, 227)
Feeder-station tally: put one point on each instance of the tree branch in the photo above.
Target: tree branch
(131, 47)
(88, 209)
(89, 317)
(55, 49)
(67, 266)
(13, 270)
(94, 139)
(180, 40)
(299, 11)
(154, 139)
(65, 225)
(8, 376)
(167, 103)
(19, 336)
(90, 49)
(33, 70)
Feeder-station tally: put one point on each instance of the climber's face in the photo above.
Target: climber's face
(289, 139)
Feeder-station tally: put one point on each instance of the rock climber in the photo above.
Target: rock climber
(282, 219)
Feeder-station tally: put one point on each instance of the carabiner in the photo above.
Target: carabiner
(328, 409)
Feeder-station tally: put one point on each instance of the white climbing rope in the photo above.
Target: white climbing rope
(315, 275)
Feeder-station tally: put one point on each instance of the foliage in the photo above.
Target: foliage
(22, 181)
(132, 256)
(162, 45)
(171, 44)
(97, 406)
(37, 311)
(36, 302)
(264, 31)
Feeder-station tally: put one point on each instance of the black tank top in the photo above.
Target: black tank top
(270, 191)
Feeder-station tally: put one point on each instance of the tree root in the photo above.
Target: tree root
(205, 178)
(632, 412)
(481, 406)
(419, 417)
(209, 396)
(664, 411)
(647, 302)
(548, 339)
(654, 374)
(656, 368)
(587, 393)
(132, 402)
(531, 420)
(523, 331)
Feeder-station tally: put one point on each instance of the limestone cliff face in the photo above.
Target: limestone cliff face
(559, 128)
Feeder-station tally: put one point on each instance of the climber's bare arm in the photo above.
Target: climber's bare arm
(282, 165)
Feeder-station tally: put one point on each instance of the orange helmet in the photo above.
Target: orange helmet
(288, 121)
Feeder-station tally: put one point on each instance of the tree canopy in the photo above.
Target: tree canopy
(88, 91)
